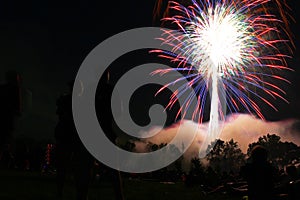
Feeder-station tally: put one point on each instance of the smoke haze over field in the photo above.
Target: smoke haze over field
(242, 128)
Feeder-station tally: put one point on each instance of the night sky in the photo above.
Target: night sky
(46, 41)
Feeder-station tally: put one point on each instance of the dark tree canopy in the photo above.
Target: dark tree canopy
(280, 153)
(225, 156)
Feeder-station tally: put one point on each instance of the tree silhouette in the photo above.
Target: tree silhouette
(197, 173)
(173, 171)
(225, 156)
(280, 153)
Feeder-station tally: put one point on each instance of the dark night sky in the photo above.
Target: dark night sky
(46, 41)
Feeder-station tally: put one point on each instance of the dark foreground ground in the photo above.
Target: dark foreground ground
(19, 185)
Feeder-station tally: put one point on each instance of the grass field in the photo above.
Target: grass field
(19, 185)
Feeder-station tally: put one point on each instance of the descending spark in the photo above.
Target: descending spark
(226, 45)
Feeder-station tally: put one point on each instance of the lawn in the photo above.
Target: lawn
(20, 185)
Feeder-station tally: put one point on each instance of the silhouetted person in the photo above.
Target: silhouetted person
(105, 116)
(260, 175)
(10, 108)
(70, 150)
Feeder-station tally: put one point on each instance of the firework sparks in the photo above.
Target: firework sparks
(231, 46)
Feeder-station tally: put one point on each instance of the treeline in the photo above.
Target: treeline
(221, 164)
(223, 161)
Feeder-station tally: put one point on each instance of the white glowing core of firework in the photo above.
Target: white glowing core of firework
(220, 39)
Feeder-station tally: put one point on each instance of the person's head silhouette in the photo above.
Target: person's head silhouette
(259, 154)
(291, 170)
(12, 77)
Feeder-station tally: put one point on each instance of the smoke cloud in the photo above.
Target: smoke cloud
(242, 128)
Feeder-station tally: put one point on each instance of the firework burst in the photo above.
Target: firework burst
(230, 49)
